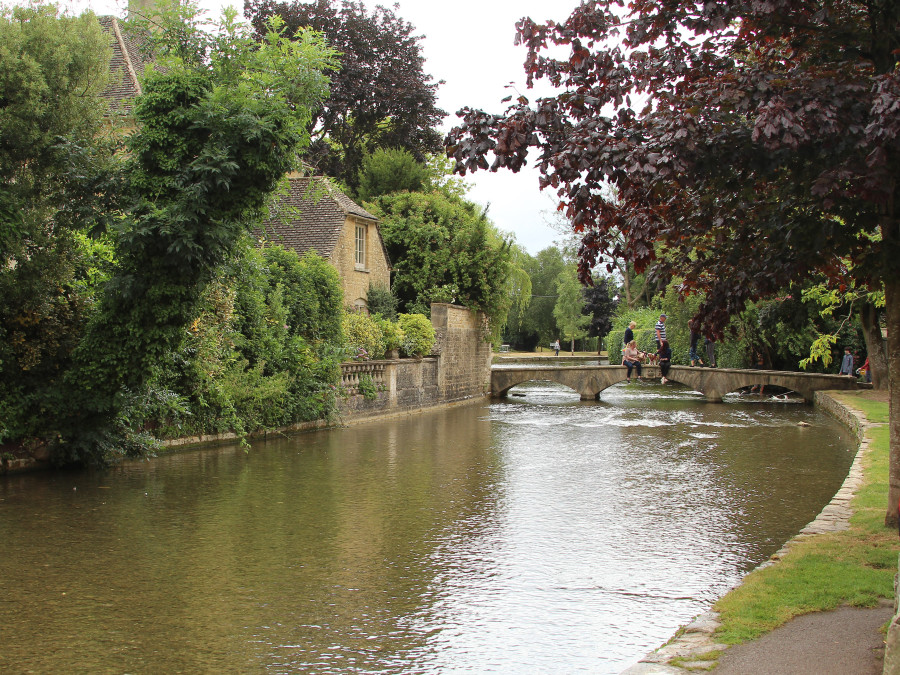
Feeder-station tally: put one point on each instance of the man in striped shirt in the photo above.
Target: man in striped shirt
(660, 330)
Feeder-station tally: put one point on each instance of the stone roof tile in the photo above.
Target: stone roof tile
(311, 216)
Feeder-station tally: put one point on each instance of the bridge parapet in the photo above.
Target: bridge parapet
(714, 383)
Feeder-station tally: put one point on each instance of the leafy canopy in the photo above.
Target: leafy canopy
(766, 127)
(380, 98)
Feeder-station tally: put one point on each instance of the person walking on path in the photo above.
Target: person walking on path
(665, 360)
(556, 346)
(711, 352)
(632, 359)
(847, 363)
(660, 330)
(695, 338)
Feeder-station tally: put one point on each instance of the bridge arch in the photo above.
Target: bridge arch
(714, 383)
(588, 381)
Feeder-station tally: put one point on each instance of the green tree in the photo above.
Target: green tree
(533, 323)
(444, 250)
(386, 171)
(57, 180)
(569, 308)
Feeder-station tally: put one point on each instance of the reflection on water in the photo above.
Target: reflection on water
(539, 534)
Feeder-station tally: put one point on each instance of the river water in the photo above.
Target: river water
(540, 534)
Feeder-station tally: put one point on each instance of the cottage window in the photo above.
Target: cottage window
(360, 255)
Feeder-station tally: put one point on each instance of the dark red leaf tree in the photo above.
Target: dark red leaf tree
(380, 98)
(755, 142)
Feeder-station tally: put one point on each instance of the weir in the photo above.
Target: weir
(714, 383)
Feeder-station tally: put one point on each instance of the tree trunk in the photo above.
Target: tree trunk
(892, 309)
(868, 316)
(626, 285)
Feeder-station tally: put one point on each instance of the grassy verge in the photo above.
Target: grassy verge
(855, 567)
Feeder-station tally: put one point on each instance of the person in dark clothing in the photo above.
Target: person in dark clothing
(711, 352)
(665, 360)
(695, 338)
(629, 333)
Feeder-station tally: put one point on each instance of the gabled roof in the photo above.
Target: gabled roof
(311, 216)
(124, 65)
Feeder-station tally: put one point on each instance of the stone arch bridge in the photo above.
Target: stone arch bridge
(714, 383)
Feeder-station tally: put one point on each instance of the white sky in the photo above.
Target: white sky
(469, 45)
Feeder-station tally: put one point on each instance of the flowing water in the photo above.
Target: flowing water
(540, 534)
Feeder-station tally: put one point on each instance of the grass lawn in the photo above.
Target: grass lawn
(855, 567)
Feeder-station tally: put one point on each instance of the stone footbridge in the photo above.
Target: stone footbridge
(714, 383)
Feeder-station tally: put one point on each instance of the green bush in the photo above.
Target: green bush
(393, 334)
(418, 334)
(363, 336)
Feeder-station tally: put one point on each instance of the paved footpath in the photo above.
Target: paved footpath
(846, 641)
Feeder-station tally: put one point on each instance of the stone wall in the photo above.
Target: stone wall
(458, 369)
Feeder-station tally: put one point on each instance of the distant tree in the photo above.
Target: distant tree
(769, 150)
(600, 306)
(534, 324)
(380, 98)
(569, 308)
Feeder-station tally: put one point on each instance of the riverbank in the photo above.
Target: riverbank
(844, 558)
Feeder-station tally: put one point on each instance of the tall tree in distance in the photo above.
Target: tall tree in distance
(569, 308)
(768, 150)
(380, 98)
(600, 305)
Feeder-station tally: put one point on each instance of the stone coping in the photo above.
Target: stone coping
(697, 639)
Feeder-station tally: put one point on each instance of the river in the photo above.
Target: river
(539, 534)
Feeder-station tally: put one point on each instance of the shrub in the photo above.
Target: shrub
(362, 332)
(418, 334)
(393, 334)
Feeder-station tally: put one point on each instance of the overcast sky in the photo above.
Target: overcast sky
(469, 45)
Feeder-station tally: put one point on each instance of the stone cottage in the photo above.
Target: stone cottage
(315, 215)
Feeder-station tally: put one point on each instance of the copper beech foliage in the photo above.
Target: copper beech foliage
(739, 145)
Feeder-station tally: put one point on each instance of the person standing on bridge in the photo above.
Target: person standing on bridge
(629, 333)
(665, 360)
(660, 331)
(631, 358)
(711, 352)
(695, 338)
(847, 363)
